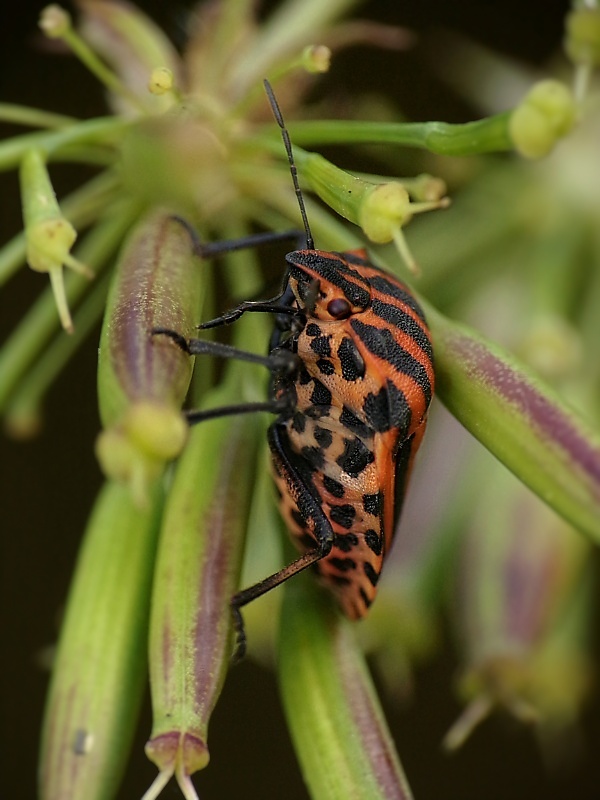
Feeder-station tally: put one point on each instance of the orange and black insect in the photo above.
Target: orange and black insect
(352, 378)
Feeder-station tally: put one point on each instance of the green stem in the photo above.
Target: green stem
(102, 130)
(105, 75)
(337, 725)
(23, 412)
(36, 117)
(489, 135)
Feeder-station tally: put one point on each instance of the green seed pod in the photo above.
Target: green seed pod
(99, 673)
(551, 448)
(197, 573)
(338, 728)
(143, 379)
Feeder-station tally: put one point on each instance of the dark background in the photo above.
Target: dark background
(47, 485)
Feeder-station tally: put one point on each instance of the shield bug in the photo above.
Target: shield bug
(352, 377)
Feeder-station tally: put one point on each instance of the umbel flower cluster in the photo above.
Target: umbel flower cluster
(190, 136)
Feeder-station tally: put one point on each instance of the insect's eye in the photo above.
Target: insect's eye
(339, 308)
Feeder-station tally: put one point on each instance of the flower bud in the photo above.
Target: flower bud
(380, 209)
(161, 81)
(49, 236)
(582, 41)
(132, 45)
(384, 209)
(55, 21)
(316, 58)
(142, 378)
(546, 114)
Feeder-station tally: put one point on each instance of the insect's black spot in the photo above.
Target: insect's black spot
(321, 346)
(325, 367)
(304, 376)
(299, 422)
(343, 564)
(321, 396)
(366, 600)
(374, 541)
(377, 410)
(373, 503)
(354, 424)
(323, 437)
(312, 329)
(371, 573)
(343, 515)
(339, 580)
(317, 412)
(314, 456)
(333, 487)
(345, 542)
(400, 411)
(351, 361)
(355, 457)
(387, 409)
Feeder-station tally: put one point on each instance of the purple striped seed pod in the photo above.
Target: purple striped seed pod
(143, 379)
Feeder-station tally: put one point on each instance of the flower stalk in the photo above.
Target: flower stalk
(341, 737)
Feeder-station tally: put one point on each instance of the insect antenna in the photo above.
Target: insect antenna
(310, 244)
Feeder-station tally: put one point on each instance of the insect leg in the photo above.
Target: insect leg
(211, 249)
(280, 361)
(318, 527)
(269, 306)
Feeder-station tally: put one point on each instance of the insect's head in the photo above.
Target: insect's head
(326, 286)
